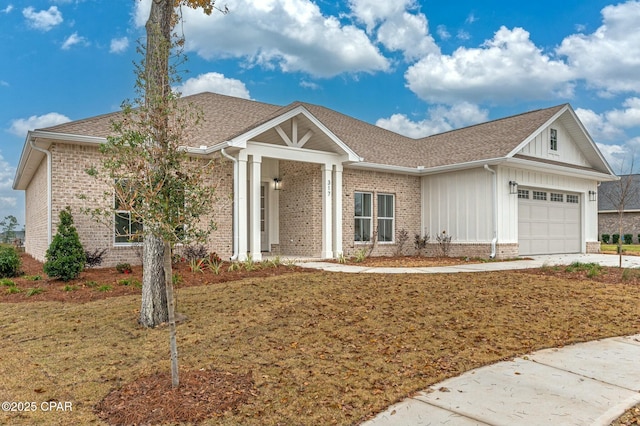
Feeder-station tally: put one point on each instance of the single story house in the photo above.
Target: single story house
(307, 181)
(623, 193)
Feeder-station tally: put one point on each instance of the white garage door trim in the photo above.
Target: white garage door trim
(548, 222)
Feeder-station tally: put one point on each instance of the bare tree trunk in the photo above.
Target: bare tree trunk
(172, 315)
(154, 309)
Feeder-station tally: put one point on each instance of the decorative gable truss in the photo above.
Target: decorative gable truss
(294, 141)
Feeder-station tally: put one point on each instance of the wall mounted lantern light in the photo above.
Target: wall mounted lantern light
(593, 195)
(277, 184)
(513, 187)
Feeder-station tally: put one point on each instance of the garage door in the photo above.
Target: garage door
(548, 222)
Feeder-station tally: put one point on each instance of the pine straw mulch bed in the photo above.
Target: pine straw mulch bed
(202, 394)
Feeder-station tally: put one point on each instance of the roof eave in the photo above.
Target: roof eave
(560, 169)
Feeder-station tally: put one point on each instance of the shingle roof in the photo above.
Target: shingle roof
(227, 117)
(611, 193)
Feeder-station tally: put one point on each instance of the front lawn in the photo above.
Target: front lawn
(321, 348)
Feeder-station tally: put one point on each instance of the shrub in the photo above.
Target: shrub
(9, 262)
(124, 268)
(628, 238)
(607, 237)
(65, 257)
(402, 236)
(420, 242)
(444, 242)
(615, 238)
(194, 252)
(94, 258)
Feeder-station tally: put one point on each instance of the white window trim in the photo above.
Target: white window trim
(115, 234)
(363, 217)
(392, 218)
(553, 142)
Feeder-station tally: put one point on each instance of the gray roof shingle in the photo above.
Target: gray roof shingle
(226, 117)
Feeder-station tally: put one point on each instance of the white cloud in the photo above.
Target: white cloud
(292, 35)
(443, 33)
(7, 9)
(399, 29)
(408, 33)
(43, 20)
(216, 83)
(373, 12)
(440, 119)
(4, 83)
(611, 125)
(119, 45)
(608, 59)
(8, 197)
(505, 68)
(21, 126)
(73, 40)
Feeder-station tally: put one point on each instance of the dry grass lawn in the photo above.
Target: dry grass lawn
(322, 348)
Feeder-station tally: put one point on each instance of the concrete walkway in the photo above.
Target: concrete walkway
(531, 262)
(589, 383)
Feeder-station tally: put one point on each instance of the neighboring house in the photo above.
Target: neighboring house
(18, 236)
(623, 193)
(307, 181)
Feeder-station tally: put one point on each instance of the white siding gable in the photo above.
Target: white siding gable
(567, 152)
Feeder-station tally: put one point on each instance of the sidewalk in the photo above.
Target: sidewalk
(589, 383)
(531, 262)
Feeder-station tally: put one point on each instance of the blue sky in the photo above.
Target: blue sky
(413, 66)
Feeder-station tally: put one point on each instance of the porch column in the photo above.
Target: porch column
(254, 208)
(327, 211)
(337, 210)
(242, 206)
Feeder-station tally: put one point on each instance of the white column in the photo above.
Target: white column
(242, 206)
(254, 208)
(337, 210)
(327, 211)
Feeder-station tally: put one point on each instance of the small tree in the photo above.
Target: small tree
(65, 256)
(8, 226)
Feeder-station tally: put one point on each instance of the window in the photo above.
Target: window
(573, 199)
(126, 228)
(553, 140)
(538, 195)
(557, 197)
(385, 217)
(362, 214)
(523, 193)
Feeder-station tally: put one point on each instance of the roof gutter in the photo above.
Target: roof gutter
(423, 171)
(494, 186)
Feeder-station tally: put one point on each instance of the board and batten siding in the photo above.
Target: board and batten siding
(568, 151)
(460, 203)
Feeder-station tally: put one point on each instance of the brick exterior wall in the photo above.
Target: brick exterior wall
(593, 247)
(300, 209)
(609, 223)
(70, 181)
(407, 195)
(36, 213)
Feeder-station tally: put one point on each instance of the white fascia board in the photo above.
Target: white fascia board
(561, 170)
(241, 141)
(66, 137)
(532, 136)
(292, 153)
(423, 171)
(591, 141)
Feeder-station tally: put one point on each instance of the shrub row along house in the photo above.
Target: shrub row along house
(306, 181)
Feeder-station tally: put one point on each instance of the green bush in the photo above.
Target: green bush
(65, 258)
(606, 238)
(628, 238)
(9, 262)
(616, 238)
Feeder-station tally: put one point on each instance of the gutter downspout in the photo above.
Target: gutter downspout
(49, 206)
(495, 211)
(236, 231)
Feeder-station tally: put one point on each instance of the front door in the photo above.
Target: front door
(264, 218)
